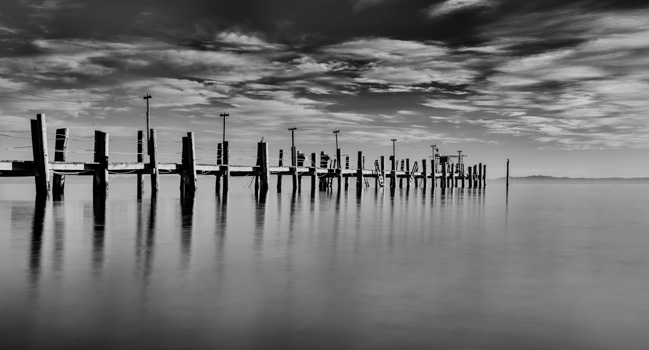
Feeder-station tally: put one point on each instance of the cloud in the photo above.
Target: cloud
(455, 5)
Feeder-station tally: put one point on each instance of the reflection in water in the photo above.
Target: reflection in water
(186, 226)
(35, 251)
(99, 224)
(58, 213)
(260, 219)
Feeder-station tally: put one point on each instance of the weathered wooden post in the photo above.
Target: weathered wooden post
(433, 173)
(140, 159)
(264, 169)
(41, 161)
(153, 161)
(294, 168)
(408, 173)
(507, 181)
(443, 180)
(60, 155)
(382, 174)
(100, 183)
(463, 175)
(339, 173)
(279, 176)
(480, 175)
(359, 171)
(470, 178)
(346, 178)
(314, 171)
(475, 176)
(188, 173)
(219, 162)
(226, 166)
(414, 175)
(424, 174)
(484, 176)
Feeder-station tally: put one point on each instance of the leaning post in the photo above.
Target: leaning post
(41, 161)
(60, 155)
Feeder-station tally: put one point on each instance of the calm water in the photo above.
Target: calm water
(549, 267)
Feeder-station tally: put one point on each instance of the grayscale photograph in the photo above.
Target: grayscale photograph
(324, 174)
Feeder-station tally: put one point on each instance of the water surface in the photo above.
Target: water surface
(546, 267)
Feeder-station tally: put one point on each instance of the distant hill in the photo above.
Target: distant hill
(552, 179)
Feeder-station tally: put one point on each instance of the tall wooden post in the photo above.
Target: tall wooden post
(153, 161)
(140, 159)
(484, 176)
(188, 174)
(226, 167)
(339, 173)
(294, 168)
(219, 162)
(443, 181)
(314, 171)
(424, 174)
(60, 155)
(382, 174)
(359, 171)
(507, 183)
(480, 175)
(41, 161)
(279, 177)
(408, 173)
(475, 176)
(100, 183)
(470, 177)
(433, 173)
(462, 175)
(264, 169)
(346, 178)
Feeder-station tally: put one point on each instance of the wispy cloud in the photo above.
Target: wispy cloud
(454, 5)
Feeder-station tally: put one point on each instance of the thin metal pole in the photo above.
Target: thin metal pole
(148, 120)
(224, 115)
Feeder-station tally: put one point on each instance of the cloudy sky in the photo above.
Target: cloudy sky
(559, 87)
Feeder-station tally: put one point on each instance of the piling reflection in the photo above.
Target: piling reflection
(186, 226)
(260, 219)
(99, 232)
(36, 243)
(58, 213)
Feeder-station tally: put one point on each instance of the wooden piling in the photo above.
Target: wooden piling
(507, 181)
(279, 177)
(339, 173)
(264, 168)
(153, 162)
(408, 173)
(433, 173)
(346, 178)
(60, 155)
(41, 161)
(424, 176)
(475, 176)
(484, 176)
(462, 175)
(226, 166)
(470, 178)
(100, 183)
(294, 168)
(442, 181)
(359, 171)
(140, 159)
(382, 168)
(188, 173)
(480, 175)
(314, 171)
